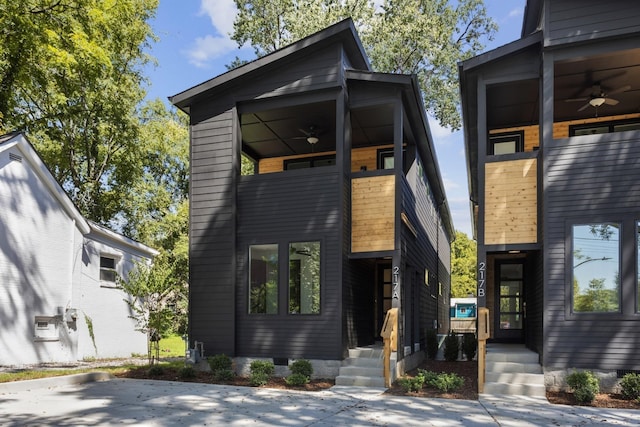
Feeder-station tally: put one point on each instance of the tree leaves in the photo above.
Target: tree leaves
(423, 37)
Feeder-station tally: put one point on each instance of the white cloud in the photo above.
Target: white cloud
(209, 47)
(205, 49)
(515, 13)
(222, 14)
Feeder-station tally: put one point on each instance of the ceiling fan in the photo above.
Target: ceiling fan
(311, 135)
(598, 97)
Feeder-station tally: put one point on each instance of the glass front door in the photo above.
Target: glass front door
(510, 301)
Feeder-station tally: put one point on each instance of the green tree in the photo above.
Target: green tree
(423, 37)
(463, 266)
(152, 296)
(71, 76)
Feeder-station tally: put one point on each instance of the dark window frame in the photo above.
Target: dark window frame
(289, 278)
(384, 153)
(312, 160)
(609, 124)
(494, 138)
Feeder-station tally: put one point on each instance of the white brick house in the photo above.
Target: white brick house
(58, 300)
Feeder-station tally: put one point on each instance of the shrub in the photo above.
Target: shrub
(257, 379)
(302, 367)
(469, 345)
(451, 347)
(262, 366)
(187, 372)
(447, 382)
(219, 362)
(584, 384)
(261, 371)
(156, 371)
(223, 375)
(442, 382)
(297, 380)
(432, 344)
(409, 384)
(630, 384)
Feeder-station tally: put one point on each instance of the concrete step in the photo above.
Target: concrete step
(524, 356)
(361, 371)
(361, 381)
(533, 390)
(525, 368)
(514, 378)
(365, 352)
(364, 362)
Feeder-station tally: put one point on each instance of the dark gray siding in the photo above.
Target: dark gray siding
(534, 297)
(588, 179)
(420, 254)
(358, 301)
(292, 206)
(212, 234)
(317, 70)
(576, 20)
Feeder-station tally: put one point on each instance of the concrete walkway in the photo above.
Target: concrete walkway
(80, 400)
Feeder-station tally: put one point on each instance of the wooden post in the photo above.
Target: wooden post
(389, 334)
(483, 335)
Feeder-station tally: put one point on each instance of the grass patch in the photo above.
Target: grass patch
(24, 375)
(172, 346)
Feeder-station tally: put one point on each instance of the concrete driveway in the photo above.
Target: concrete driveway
(72, 401)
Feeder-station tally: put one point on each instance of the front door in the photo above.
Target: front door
(384, 295)
(509, 319)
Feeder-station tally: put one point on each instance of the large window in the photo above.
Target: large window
(263, 279)
(304, 278)
(596, 268)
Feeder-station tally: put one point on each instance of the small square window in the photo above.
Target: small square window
(506, 143)
(108, 269)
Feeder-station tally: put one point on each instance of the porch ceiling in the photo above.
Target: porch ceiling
(517, 103)
(279, 132)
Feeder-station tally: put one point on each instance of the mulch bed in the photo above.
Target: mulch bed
(602, 400)
(467, 370)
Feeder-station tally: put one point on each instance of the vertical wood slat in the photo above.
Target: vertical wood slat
(373, 213)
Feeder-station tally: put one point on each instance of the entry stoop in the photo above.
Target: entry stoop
(513, 369)
(363, 368)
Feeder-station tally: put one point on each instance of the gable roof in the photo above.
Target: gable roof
(343, 31)
(20, 142)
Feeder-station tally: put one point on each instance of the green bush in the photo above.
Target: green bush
(302, 367)
(409, 384)
(223, 375)
(442, 382)
(219, 362)
(432, 344)
(262, 366)
(297, 380)
(584, 384)
(451, 347)
(156, 371)
(187, 372)
(469, 345)
(630, 385)
(257, 379)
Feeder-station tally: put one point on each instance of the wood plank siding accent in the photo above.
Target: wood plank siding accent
(212, 234)
(573, 21)
(590, 178)
(367, 157)
(373, 213)
(511, 202)
(560, 129)
(295, 206)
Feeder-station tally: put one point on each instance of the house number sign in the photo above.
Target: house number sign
(482, 271)
(396, 281)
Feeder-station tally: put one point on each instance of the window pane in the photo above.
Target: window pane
(304, 278)
(106, 262)
(596, 260)
(263, 279)
(506, 147)
(107, 269)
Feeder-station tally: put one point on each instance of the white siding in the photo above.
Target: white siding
(35, 267)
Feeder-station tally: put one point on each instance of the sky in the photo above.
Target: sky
(194, 46)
